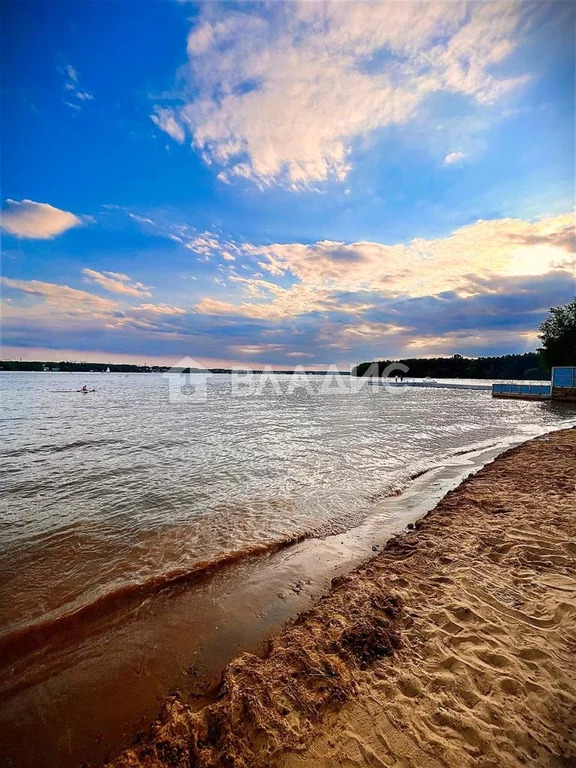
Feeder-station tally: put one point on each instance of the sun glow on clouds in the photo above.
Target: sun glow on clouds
(404, 118)
(326, 270)
(61, 298)
(59, 309)
(283, 92)
(421, 297)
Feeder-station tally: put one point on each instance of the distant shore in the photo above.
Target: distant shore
(453, 647)
(519, 367)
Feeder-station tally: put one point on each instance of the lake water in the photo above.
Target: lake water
(123, 487)
(110, 497)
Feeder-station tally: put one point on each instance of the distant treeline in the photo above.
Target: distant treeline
(71, 367)
(526, 366)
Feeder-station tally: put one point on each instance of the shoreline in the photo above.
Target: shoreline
(243, 608)
(457, 632)
(189, 650)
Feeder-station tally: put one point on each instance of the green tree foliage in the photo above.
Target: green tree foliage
(558, 335)
(537, 374)
(458, 367)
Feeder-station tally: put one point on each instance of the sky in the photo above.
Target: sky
(284, 183)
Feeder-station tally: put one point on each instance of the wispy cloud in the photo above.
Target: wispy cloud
(452, 158)
(63, 298)
(75, 95)
(206, 244)
(116, 282)
(41, 221)
(166, 121)
(283, 93)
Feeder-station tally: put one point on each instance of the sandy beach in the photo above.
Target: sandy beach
(454, 646)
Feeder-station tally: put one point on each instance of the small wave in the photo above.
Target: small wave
(480, 447)
(58, 448)
(399, 488)
(33, 636)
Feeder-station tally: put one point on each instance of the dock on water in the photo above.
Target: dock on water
(562, 387)
(523, 391)
(427, 384)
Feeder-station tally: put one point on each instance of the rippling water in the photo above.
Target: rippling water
(120, 488)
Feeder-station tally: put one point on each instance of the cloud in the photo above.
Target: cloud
(284, 93)
(73, 89)
(36, 220)
(501, 316)
(272, 302)
(206, 244)
(142, 219)
(60, 311)
(256, 349)
(62, 297)
(371, 329)
(326, 270)
(482, 289)
(454, 157)
(161, 309)
(166, 121)
(116, 282)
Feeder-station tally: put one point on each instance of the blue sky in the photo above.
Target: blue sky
(286, 184)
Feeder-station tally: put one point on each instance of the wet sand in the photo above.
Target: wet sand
(454, 646)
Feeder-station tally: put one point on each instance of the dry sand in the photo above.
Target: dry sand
(456, 646)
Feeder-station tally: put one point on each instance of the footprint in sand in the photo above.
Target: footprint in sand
(496, 660)
(532, 654)
(410, 687)
(512, 687)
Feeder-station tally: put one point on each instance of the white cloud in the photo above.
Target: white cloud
(119, 276)
(116, 282)
(326, 270)
(36, 220)
(454, 157)
(283, 92)
(206, 244)
(165, 120)
(72, 87)
(256, 349)
(72, 76)
(60, 308)
(161, 309)
(423, 267)
(367, 330)
(142, 219)
(61, 297)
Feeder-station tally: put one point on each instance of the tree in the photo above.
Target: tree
(558, 335)
(536, 374)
